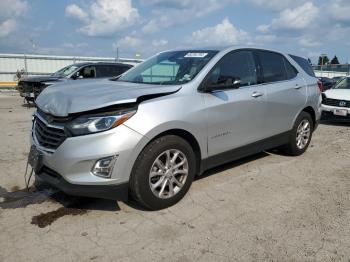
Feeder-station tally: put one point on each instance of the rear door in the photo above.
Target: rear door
(286, 92)
(235, 116)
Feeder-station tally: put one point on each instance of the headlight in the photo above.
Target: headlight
(94, 124)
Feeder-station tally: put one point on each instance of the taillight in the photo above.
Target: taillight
(320, 86)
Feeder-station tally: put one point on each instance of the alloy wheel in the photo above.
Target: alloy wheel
(168, 173)
(303, 134)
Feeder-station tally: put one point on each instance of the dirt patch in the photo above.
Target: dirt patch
(46, 219)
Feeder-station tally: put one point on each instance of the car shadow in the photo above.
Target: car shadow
(335, 123)
(213, 171)
(231, 165)
(28, 105)
(72, 205)
(21, 198)
(85, 203)
(97, 204)
(69, 205)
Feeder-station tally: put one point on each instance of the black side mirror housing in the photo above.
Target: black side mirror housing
(228, 84)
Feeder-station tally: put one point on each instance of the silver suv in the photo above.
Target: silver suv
(150, 132)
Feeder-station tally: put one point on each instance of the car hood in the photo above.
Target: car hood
(39, 79)
(69, 98)
(339, 94)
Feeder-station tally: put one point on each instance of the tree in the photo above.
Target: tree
(323, 60)
(335, 61)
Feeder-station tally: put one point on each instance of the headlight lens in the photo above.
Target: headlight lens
(94, 124)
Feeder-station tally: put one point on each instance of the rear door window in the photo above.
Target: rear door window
(273, 67)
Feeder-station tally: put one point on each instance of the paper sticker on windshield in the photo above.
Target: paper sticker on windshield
(196, 55)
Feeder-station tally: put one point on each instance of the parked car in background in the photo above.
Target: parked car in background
(152, 130)
(31, 87)
(336, 102)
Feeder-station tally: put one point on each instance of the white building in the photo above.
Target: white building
(44, 64)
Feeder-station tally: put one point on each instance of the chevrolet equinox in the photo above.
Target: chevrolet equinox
(148, 133)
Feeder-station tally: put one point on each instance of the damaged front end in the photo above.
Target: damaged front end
(57, 141)
(79, 135)
(30, 90)
(53, 122)
(49, 132)
(62, 100)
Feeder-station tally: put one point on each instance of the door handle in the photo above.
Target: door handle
(297, 86)
(257, 94)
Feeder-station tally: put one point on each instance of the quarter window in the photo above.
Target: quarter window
(304, 64)
(236, 68)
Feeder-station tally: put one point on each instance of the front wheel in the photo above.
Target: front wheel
(163, 172)
(300, 136)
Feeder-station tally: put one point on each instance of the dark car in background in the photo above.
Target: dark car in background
(31, 87)
(327, 83)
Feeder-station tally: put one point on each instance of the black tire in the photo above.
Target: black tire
(291, 148)
(139, 181)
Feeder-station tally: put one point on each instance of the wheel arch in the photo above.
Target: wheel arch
(312, 112)
(190, 138)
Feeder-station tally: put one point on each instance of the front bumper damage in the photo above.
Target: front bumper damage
(69, 167)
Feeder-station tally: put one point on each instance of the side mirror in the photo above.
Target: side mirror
(237, 82)
(224, 84)
(76, 76)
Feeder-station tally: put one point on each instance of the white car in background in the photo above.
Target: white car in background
(336, 102)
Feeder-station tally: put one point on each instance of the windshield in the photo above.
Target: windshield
(65, 71)
(169, 68)
(343, 84)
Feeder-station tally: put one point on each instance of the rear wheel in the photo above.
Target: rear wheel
(163, 172)
(300, 136)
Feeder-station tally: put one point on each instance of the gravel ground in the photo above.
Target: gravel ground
(267, 207)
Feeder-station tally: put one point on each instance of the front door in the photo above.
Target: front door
(235, 116)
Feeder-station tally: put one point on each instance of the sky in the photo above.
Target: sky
(144, 27)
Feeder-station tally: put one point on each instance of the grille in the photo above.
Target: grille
(336, 102)
(48, 136)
